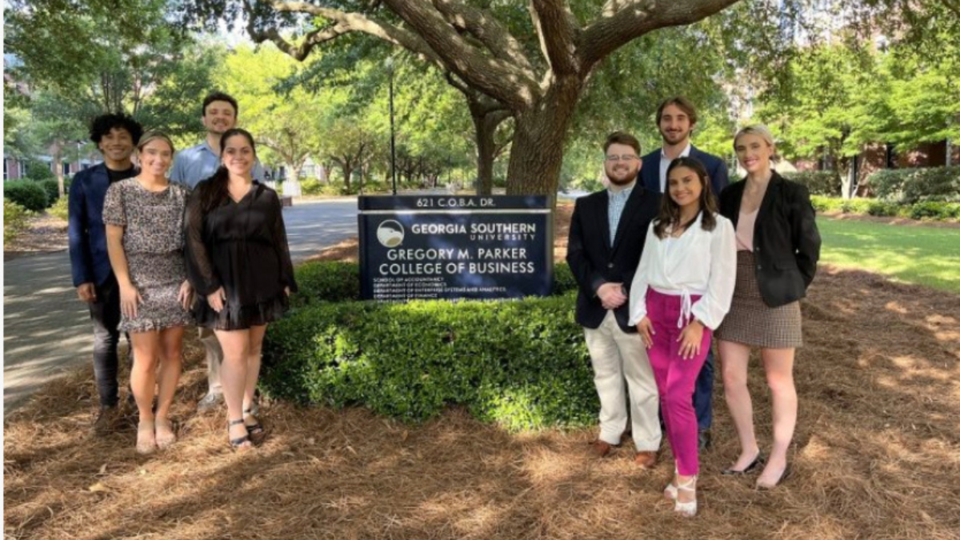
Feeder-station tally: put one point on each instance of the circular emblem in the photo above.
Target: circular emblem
(390, 233)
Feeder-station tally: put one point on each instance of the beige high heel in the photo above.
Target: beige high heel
(687, 509)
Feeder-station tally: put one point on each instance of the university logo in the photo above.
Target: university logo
(390, 233)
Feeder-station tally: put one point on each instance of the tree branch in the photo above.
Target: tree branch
(557, 29)
(344, 22)
(502, 80)
(485, 27)
(624, 20)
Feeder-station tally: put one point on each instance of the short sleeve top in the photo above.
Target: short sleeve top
(152, 220)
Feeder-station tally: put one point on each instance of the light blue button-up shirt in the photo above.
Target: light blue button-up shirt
(199, 163)
(617, 200)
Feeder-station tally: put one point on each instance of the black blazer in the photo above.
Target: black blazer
(716, 170)
(592, 258)
(786, 242)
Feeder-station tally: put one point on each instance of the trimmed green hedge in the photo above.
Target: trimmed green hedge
(52, 187)
(26, 193)
(925, 210)
(909, 186)
(825, 183)
(522, 363)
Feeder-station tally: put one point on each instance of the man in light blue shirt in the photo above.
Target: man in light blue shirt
(199, 162)
(190, 167)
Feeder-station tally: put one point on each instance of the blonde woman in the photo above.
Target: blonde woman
(778, 246)
(144, 221)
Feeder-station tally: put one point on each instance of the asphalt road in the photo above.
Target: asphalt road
(47, 330)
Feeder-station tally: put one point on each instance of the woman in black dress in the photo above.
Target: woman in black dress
(239, 263)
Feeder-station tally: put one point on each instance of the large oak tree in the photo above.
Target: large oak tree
(531, 63)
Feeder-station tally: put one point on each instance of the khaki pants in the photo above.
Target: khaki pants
(214, 359)
(617, 357)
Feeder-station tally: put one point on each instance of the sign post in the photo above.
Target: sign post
(450, 247)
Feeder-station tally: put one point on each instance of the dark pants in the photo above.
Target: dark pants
(105, 314)
(703, 395)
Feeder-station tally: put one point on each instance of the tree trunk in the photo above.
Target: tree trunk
(485, 126)
(58, 165)
(347, 174)
(537, 152)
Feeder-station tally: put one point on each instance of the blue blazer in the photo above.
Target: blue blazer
(716, 170)
(89, 261)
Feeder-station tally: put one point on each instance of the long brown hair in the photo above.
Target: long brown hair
(670, 211)
(214, 189)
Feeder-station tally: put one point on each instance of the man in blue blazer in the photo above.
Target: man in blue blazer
(116, 136)
(676, 119)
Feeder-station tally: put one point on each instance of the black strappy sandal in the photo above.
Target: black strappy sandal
(255, 431)
(237, 444)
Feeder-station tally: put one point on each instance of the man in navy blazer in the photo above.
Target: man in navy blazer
(116, 136)
(607, 233)
(676, 119)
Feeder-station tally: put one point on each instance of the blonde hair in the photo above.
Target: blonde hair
(151, 136)
(761, 131)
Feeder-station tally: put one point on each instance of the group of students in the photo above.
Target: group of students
(154, 250)
(668, 257)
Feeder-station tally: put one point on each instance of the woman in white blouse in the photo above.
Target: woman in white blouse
(679, 295)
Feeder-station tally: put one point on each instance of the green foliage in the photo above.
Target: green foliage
(14, 219)
(936, 210)
(38, 171)
(910, 186)
(52, 187)
(522, 364)
(26, 193)
(826, 183)
(59, 209)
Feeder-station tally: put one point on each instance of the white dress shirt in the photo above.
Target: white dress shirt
(665, 164)
(699, 262)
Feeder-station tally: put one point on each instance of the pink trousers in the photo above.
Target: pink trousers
(676, 378)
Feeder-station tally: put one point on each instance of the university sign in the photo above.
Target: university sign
(434, 247)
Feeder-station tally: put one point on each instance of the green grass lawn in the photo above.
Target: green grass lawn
(927, 256)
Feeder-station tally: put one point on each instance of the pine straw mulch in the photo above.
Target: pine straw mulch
(43, 233)
(876, 456)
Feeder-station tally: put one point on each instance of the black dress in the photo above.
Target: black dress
(241, 246)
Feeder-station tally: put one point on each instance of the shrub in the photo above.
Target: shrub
(935, 210)
(52, 188)
(880, 208)
(38, 171)
(59, 209)
(14, 219)
(522, 364)
(825, 183)
(26, 193)
(910, 186)
(310, 187)
(825, 204)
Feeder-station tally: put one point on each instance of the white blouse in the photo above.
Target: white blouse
(699, 262)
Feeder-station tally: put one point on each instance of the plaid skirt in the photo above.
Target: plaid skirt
(751, 322)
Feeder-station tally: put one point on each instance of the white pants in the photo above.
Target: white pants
(617, 357)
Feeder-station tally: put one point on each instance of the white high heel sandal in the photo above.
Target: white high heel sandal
(687, 509)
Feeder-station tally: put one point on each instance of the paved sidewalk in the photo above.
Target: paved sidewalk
(47, 329)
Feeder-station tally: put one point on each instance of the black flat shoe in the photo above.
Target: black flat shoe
(757, 461)
(783, 478)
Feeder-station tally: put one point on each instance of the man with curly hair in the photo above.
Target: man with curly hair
(116, 137)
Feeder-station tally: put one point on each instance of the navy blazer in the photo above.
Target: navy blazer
(89, 261)
(594, 261)
(716, 170)
(786, 242)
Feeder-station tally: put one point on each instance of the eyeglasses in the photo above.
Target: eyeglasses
(625, 157)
